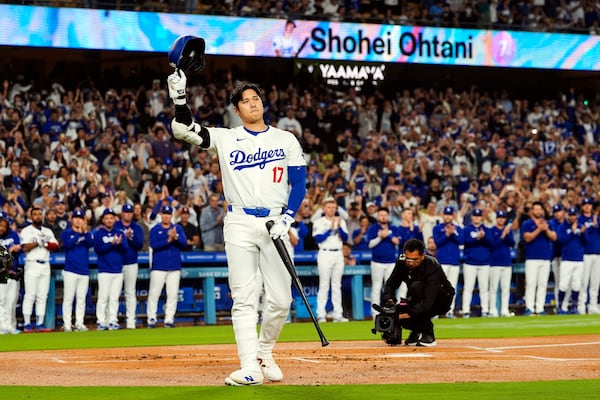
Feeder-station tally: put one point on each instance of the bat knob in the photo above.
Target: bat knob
(269, 224)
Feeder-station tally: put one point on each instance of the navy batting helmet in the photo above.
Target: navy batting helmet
(187, 54)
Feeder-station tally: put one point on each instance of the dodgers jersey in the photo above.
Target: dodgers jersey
(255, 165)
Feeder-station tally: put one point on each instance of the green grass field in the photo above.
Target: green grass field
(302, 332)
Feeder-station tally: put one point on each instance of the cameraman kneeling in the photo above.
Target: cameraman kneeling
(429, 292)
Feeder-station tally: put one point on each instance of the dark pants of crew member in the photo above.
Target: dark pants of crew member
(422, 323)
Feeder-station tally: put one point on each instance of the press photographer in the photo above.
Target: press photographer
(429, 294)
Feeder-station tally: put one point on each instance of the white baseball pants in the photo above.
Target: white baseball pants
(331, 269)
(107, 305)
(13, 287)
(37, 285)
(4, 315)
(249, 248)
(452, 272)
(74, 286)
(380, 272)
(170, 280)
(590, 280)
(500, 276)
(130, 274)
(537, 273)
(481, 273)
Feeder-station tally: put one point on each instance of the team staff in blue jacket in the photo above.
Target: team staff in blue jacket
(590, 279)
(134, 234)
(501, 241)
(571, 238)
(110, 246)
(477, 264)
(383, 240)
(77, 241)
(538, 237)
(448, 237)
(167, 241)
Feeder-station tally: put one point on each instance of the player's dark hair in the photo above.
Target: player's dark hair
(236, 94)
(387, 210)
(414, 244)
(537, 203)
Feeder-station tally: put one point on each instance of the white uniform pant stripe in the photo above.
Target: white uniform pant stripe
(170, 280)
(109, 290)
(37, 285)
(75, 286)
(380, 272)
(500, 276)
(452, 272)
(481, 273)
(537, 273)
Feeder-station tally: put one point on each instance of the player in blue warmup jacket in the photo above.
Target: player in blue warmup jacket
(571, 238)
(555, 222)
(476, 264)
(109, 245)
(77, 241)
(167, 241)
(590, 279)
(538, 237)
(383, 240)
(501, 241)
(448, 237)
(134, 234)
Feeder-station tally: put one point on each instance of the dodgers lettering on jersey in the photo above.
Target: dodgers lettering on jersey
(255, 165)
(591, 235)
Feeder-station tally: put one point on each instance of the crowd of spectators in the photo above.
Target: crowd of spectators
(418, 149)
(580, 16)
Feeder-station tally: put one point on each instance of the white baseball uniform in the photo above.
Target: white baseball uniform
(330, 262)
(37, 272)
(254, 167)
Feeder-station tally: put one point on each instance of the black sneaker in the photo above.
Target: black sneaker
(427, 340)
(412, 339)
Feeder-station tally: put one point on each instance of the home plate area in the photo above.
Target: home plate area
(307, 363)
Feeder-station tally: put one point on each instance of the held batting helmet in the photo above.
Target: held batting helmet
(187, 54)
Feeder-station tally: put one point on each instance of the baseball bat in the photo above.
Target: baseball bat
(289, 265)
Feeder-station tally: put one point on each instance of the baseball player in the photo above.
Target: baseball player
(37, 243)
(167, 241)
(538, 236)
(590, 279)
(383, 240)
(110, 247)
(264, 178)
(558, 218)
(448, 237)
(330, 232)
(77, 241)
(571, 237)
(9, 289)
(134, 234)
(501, 242)
(477, 264)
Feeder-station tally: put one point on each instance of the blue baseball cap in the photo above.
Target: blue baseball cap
(127, 208)
(166, 210)
(500, 214)
(449, 210)
(108, 211)
(477, 212)
(78, 213)
(587, 200)
(572, 211)
(557, 207)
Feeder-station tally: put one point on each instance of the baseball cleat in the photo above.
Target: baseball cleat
(101, 327)
(245, 377)
(169, 325)
(270, 369)
(114, 326)
(42, 328)
(27, 328)
(341, 319)
(67, 329)
(81, 328)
